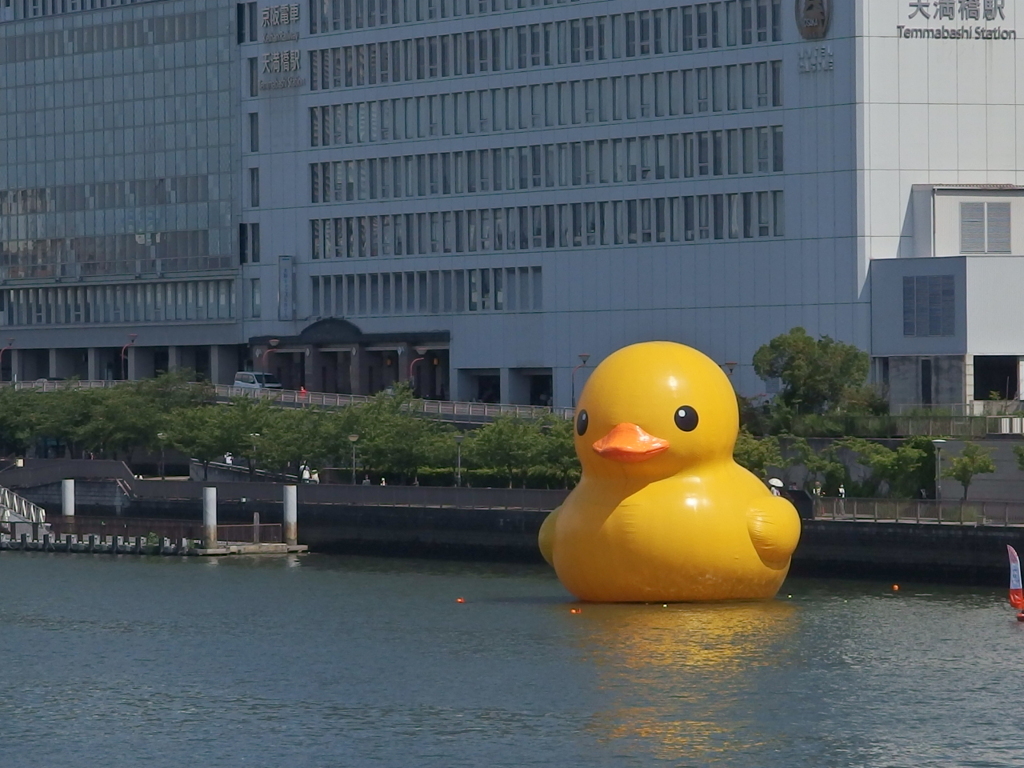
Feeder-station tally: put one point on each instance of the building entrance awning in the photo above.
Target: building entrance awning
(336, 332)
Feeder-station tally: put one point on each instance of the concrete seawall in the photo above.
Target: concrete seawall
(502, 524)
(923, 552)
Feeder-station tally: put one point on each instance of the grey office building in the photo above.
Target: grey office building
(473, 194)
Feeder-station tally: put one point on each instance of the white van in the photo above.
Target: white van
(254, 380)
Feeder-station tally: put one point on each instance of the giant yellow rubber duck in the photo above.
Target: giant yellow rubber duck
(662, 512)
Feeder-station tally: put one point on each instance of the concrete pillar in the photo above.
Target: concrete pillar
(63, 363)
(67, 497)
(209, 518)
(223, 362)
(314, 362)
(504, 382)
(140, 363)
(406, 355)
(357, 373)
(291, 515)
(16, 362)
(94, 364)
(173, 359)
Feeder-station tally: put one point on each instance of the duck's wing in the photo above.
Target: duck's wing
(774, 528)
(546, 537)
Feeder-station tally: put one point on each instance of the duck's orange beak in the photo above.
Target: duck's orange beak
(629, 443)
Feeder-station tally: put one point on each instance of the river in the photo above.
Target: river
(326, 661)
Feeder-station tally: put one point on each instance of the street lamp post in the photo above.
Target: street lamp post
(352, 439)
(583, 361)
(458, 460)
(10, 343)
(124, 355)
(938, 443)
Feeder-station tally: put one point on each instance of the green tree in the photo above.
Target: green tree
(244, 423)
(822, 466)
(120, 420)
(65, 417)
(816, 374)
(557, 451)
(507, 445)
(1018, 451)
(19, 414)
(199, 433)
(392, 440)
(973, 460)
(758, 454)
(900, 468)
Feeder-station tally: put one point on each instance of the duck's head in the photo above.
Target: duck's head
(654, 409)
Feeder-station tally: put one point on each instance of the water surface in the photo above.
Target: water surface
(339, 661)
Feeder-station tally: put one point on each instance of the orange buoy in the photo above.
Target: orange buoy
(895, 587)
(460, 599)
(575, 610)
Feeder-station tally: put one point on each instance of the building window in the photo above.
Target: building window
(249, 243)
(254, 187)
(254, 77)
(929, 305)
(246, 22)
(255, 302)
(254, 132)
(984, 228)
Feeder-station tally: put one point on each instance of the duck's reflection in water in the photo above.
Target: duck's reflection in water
(691, 682)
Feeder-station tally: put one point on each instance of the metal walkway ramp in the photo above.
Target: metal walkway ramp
(16, 509)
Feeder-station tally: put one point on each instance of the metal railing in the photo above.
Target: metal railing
(445, 409)
(175, 530)
(36, 472)
(356, 495)
(976, 513)
(263, 533)
(11, 504)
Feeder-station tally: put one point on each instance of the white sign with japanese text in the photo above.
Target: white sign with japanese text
(964, 11)
(281, 15)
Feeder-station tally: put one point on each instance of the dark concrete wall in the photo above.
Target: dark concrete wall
(897, 551)
(925, 552)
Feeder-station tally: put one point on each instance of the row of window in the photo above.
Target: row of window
(110, 194)
(110, 37)
(500, 289)
(139, 254)
(929, 305)
(712, 24)
(631, 97)
(570, 225)
(335, 15)
(30, 9)
(609, 161)
(540, 45)
(194, 300)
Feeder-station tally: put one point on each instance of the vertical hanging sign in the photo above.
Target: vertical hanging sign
(286, 288)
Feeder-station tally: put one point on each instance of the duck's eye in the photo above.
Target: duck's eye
(686, 418)
(582, 421)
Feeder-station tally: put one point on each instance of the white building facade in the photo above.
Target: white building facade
(473, 194)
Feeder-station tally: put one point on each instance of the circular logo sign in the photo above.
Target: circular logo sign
(812, 17)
